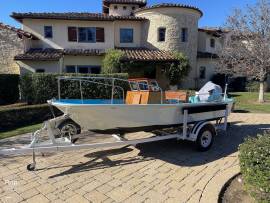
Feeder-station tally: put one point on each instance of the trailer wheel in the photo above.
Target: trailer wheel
(205, 138)
(31, 167)
(68, 129)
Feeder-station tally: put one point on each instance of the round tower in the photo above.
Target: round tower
(172, 27)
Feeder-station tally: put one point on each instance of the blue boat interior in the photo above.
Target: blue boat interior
(89, 101)
(118, 101)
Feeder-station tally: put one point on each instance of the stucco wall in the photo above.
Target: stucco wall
(136, 26)
(82, 60)
(60, 33)
(120, 11)
(204, 43)
(210, 65)
(57, 66)
(173, 19)
(31, 66)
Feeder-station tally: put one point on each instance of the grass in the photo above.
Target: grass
(20, 131)
(248, 102)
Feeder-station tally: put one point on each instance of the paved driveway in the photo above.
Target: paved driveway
(156, 172)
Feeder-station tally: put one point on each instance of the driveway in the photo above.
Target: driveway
(155, 172)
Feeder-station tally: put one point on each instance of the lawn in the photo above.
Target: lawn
(20, 131)
(248, 102)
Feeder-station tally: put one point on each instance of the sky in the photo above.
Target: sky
(215, 11)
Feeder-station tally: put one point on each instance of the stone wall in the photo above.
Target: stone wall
(10, 45)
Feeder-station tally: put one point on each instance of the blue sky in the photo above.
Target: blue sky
(215, 11)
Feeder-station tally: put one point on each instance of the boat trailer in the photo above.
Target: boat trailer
(201, 132)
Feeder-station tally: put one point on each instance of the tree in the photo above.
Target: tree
(112, 61)
(178, 70)
(247, 49)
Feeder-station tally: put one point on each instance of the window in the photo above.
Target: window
(89, 69)
(71, 69)
(126, 35)
(184, 35)
(72, 34)
(124, 8)
(212, 43)
(40, 71)
(100, 35)
(115, 7)
(87, 34)
(48, 32)
(83, 69)
(161, 34)
(202, 72)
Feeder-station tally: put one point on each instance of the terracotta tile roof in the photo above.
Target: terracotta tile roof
(73, 16)
(84, 52)
(40, 54)
(131, 54)
(106, 3)
(217, 32)
(19, 32)
(164, 5)
(143, 54)
(206, 55)
(55, 54)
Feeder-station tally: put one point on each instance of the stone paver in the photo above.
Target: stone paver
(155, 172)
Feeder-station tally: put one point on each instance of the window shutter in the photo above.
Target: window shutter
(100, 35)
(72, 34)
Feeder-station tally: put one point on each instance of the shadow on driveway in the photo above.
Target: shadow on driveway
(179, 153)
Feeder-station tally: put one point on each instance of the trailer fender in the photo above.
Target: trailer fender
(197, 127)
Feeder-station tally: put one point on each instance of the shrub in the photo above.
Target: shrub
(178, 70)
(255, 166)
(15, 117)
(111, 62)
(37, 88)
(9, 88)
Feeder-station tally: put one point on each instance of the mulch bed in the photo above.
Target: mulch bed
(234, 192)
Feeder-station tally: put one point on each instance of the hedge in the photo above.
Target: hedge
(255, 166)
(21, 116)
(9, 88)
(37, 88)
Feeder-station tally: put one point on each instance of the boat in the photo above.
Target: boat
(145, 106)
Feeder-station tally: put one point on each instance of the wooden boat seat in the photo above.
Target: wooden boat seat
(143, 97)
(177, 95)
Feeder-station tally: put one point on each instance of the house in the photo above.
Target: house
(11, 44)
(77, 42)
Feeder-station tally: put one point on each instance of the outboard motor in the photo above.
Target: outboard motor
(210, 92)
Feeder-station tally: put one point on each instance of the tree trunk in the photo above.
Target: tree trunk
(261, 92)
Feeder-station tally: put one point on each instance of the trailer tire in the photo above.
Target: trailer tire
(205, 138)
(69, 128)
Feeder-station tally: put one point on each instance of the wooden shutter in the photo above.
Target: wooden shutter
(100, 35)
(72, 34)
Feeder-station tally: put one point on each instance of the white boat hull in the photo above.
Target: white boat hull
(122, 116)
